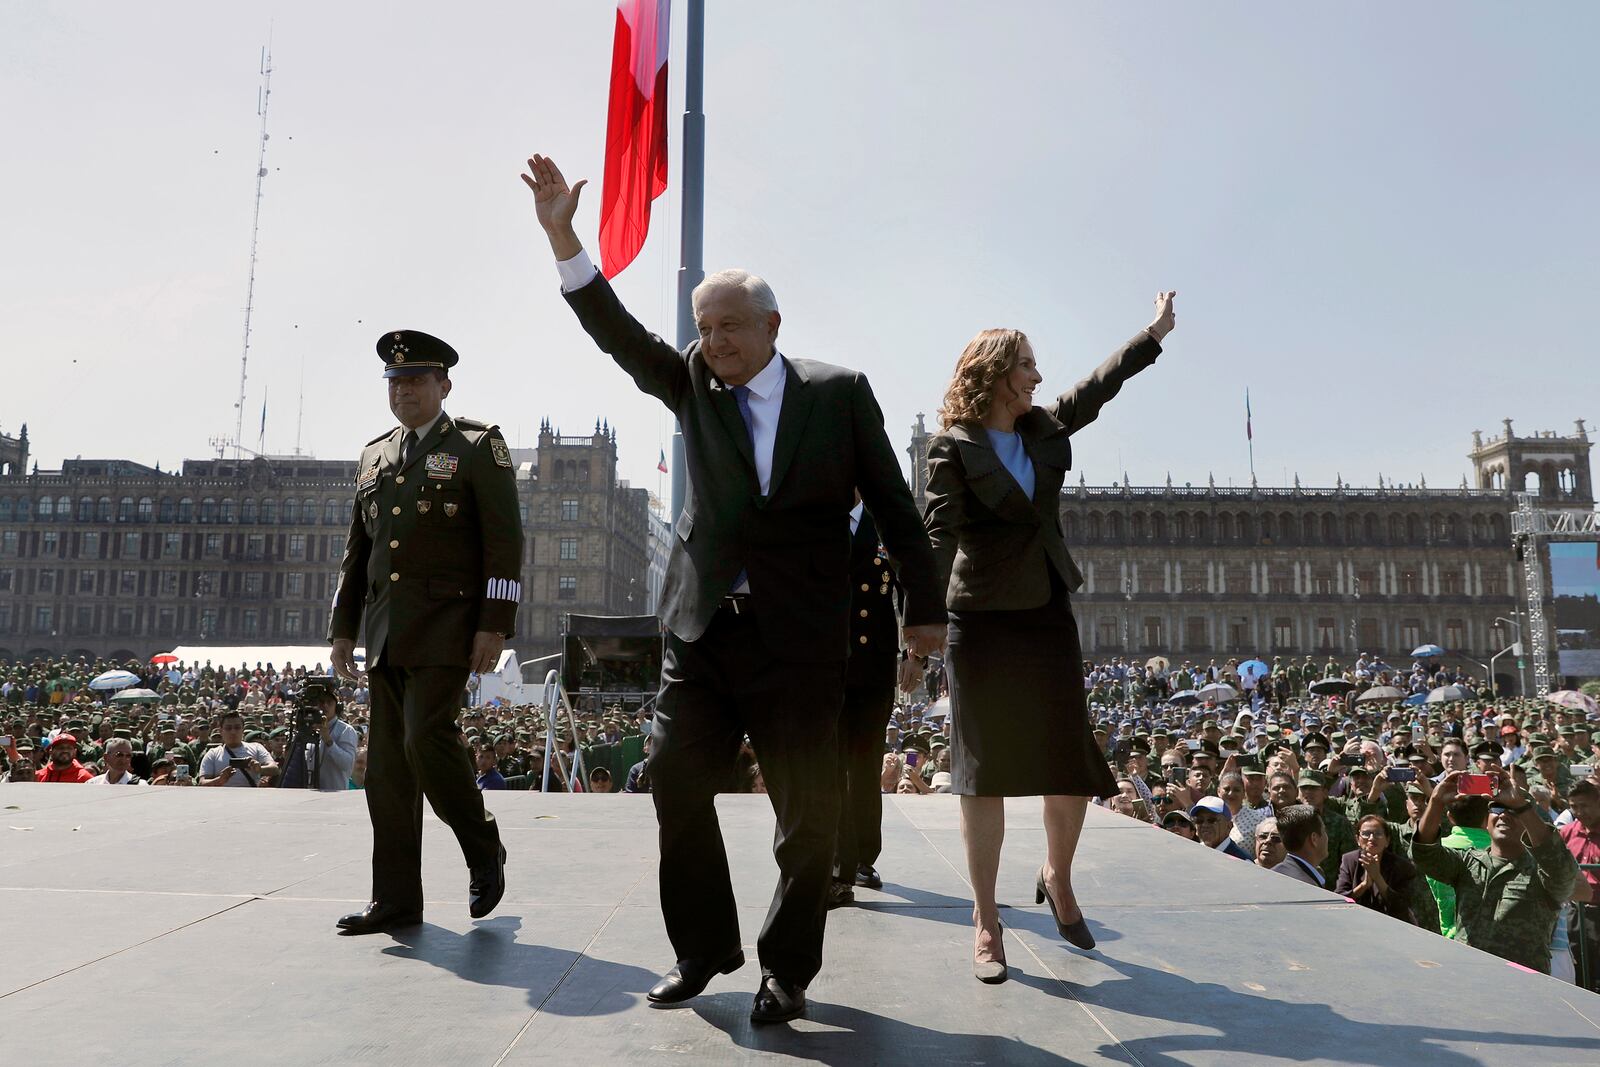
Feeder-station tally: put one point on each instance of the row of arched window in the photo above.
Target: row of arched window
(1281, 528)
(288, 511)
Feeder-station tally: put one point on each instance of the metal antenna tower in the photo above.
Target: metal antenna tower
(263, 98)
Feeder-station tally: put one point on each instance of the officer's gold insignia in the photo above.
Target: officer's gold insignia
(450, 509)
(423, 506)
(372, 510)
(502, 454)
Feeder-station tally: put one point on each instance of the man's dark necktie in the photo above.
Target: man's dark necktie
(741, 396)
(406, 446)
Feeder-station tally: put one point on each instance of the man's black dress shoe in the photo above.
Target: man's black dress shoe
(487, 887)
(777, 1001)
(375, 917)
(867, 877)
(840, 894)
(689, 979)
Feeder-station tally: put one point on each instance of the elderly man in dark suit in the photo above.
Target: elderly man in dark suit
(756, 599)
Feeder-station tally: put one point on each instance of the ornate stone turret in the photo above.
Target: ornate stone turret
(1555, 467)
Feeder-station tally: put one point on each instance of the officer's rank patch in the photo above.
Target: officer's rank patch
(450, 508)
(423, 506)
(442, 465)
(372, 510)
(502, 454)
(367, 479)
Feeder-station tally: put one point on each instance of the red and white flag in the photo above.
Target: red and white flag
(636, 131)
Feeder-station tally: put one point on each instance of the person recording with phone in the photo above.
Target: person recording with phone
(1511, 914)
(236, 762)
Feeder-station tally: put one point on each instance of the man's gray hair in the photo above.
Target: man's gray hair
(119, 742)
(755, 289)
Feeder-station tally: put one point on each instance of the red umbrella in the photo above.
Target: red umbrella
(165, 657)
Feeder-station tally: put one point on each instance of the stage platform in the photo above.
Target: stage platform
(189, 926)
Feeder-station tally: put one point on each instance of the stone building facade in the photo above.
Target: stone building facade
(1202, 572)
(115, 558)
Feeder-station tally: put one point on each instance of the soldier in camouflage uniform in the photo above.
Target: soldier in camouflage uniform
(1508, 896)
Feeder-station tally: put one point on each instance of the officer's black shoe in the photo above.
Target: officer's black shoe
(840, 894)
(376, 917)
(487, 887)
(777, 1001)
(867, 877)
(689, 979)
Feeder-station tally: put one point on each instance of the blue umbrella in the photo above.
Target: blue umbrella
(1253, 666)
(1427, 652)
(1416, 698)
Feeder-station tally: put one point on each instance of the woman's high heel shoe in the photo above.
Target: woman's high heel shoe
(1077, 933)
(991, 972)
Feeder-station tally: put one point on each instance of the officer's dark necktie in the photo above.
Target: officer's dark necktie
(741, 396)
(406, 446)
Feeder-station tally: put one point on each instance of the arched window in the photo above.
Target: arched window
(1267, 526)
(1413, 529)
(1530, 483)
(24, 508)
(1286, 526)
(1158, 527)
(102, 511)
(1396, 530)
(1202, 528)
(85, 508)
(5, 509)
(269, 510)
(63, 508)
(1308, 530)
(230, 510)
(166, 511)
(1371, 529)
(1138, 526)
(1069, 528)
(1225, 527)
(186, 509)
(125, 509)
(308, 511)
(1094, 527)
(1330, 528)
(247, 511)
(208, 509)
(330, 513)
(1497, 526)
(147, 509)
(1114, 527)
(47, 507)
(291, 511)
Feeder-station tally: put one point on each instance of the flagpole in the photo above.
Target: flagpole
(1249, 435)
(691, 265)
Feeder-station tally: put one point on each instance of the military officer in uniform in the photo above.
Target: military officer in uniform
(869, 684)
(432, 568)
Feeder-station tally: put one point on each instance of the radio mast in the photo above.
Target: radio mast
(263, 98)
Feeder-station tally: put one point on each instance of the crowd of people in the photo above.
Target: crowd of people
(1375, 801)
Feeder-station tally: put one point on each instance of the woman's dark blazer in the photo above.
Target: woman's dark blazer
(1396, 870)
(991, 542)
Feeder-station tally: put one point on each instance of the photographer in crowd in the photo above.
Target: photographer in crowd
(333, 753)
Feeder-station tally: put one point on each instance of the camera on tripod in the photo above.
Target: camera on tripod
(307, 716)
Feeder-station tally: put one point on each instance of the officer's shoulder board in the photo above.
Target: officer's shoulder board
(384, 436)
(476, 431)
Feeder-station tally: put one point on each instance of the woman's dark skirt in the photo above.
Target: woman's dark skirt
(1021, 718)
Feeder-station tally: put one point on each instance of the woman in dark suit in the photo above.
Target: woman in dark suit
(1021, 720)
(1375, 875)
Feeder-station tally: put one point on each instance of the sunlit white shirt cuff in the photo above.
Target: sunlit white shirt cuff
(576, 272)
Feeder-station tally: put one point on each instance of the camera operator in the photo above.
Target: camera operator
(335, 746)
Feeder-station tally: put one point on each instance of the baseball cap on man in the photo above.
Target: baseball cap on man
(1214, 805)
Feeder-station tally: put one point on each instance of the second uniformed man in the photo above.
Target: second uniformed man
(433, 568)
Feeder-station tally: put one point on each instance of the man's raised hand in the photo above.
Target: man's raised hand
(554, 203)
(1165, 318)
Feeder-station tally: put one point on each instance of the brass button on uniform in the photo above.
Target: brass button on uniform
(863, 639)
(865, 587)
(394, 577)
(394, 511)
(394, 544)
(400, 479)
(863, 613)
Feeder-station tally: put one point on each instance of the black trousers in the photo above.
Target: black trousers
(414, 750)
(1585, 944)
(862, 725)
(714, 691)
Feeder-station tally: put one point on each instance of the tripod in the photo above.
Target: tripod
(306, 735)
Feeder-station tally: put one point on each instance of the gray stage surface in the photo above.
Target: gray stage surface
(185, 926)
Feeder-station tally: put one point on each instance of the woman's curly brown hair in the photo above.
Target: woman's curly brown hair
(987, 359)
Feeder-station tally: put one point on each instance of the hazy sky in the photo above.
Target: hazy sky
(1380, 217)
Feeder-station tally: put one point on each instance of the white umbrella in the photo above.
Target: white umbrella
(1571, 698)
(1380, 692)
(1221, 692)
(114, 680)
(136, 696)
(1450, 694)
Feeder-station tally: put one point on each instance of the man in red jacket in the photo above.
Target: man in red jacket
(63, 765)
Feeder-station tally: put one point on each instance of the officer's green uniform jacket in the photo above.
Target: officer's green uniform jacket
(1505, 907)
(435, 548)
(1341, 838)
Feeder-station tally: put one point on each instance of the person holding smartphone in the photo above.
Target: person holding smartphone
(236, 762)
